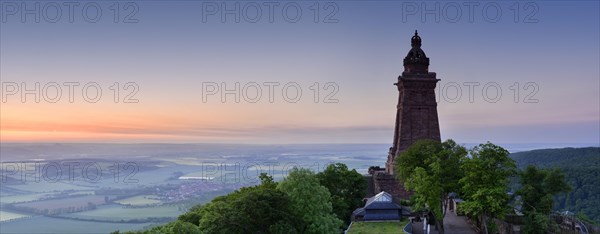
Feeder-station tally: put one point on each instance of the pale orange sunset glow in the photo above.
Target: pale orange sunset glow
(312, 83)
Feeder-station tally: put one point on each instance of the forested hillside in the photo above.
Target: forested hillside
(582, 170)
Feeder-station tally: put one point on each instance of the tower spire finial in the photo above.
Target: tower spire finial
(415, 41)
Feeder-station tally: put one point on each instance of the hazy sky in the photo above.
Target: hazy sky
(170, 55)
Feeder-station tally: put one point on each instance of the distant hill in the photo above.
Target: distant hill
(565, 157)
(582, 170)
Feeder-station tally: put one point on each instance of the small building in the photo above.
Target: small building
(382, 206)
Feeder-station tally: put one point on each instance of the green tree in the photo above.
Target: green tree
(310, 202)
(193, 216)
(267, 181)
(537, 191)
(347, 189)
(258, 209)
(185, 228)
(432, 170)
(174, 227)
(582, 171)
(485, 183)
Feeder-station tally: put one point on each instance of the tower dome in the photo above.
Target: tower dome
(416, 61)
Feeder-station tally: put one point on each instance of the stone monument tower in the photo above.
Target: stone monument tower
(416, 115)
(416, 118)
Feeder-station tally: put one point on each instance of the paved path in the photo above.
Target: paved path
(452, 225)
